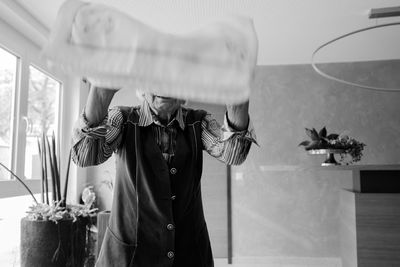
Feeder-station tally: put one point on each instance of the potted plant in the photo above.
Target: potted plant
(323, 143)
(54, 233)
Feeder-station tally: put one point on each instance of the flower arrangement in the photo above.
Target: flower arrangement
(322, 140)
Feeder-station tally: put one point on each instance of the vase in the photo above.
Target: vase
(50, 244)
(330, 155)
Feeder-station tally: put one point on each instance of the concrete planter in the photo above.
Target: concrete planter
(47, 244)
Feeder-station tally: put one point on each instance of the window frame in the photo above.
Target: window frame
(11, 188)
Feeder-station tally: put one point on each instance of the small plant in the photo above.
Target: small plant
(322, 140)
(55, 212)
(55, 209)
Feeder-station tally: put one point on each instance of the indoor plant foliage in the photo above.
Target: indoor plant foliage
(345, 144)
(56, 209)
(54, 233)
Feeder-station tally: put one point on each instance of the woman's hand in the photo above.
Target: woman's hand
(238, 115)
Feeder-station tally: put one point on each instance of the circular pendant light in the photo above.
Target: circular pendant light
(324, 74)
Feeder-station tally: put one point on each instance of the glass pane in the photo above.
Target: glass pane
(43, 106)
(8, 71)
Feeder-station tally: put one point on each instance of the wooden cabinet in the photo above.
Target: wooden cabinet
(370, 219)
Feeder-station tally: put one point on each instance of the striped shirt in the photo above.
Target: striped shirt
(93, 145)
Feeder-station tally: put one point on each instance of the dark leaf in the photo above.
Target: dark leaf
(41, 164)
(322, 132)
(55, 166)
(64, 200)
(314, 135)
(19, 180)
(304, 143)
(45, 169)
(52, 169)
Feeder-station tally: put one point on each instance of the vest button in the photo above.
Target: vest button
(170, 226)
(170, 254)
(173, 170)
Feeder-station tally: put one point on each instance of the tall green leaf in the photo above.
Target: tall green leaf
(56, 166)
(66, 180)
(20, 180)
(44, 165)
(52, 170)
(41, 165)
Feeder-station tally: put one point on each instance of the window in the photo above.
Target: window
(42, 117)
(8, 73)
(29, 106)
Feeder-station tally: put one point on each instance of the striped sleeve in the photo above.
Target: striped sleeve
(93, 145)
(225, 143)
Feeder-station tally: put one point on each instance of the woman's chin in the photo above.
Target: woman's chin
(166, 106)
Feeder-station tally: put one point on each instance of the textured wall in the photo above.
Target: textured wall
(284, 204)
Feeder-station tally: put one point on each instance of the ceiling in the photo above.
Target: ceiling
(288, 30)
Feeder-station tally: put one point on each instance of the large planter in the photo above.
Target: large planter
(47, 244)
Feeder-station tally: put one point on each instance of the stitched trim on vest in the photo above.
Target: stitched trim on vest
(136, 188)
(135, 124)
(195, 137)
(195, 140)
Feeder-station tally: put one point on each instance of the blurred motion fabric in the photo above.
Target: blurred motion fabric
(213, 64)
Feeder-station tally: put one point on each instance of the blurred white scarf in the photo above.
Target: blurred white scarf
(213, 64)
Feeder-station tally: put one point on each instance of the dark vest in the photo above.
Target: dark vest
(157, 214)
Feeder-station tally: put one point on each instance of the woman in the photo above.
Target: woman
(157, 215)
